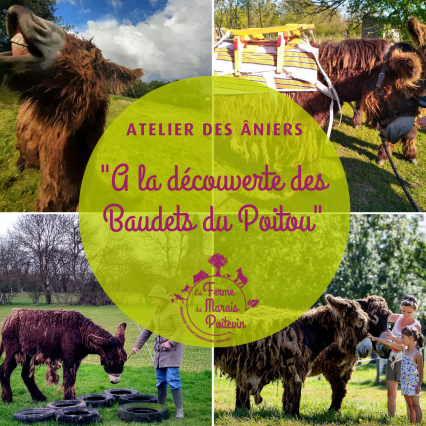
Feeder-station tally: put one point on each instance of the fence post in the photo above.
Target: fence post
(377, 371)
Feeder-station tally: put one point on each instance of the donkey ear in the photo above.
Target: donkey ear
(120, 334)
(96, 340)
(363, 303)
(408, 67)
(417, 31)
(119, 77)
(339, 307)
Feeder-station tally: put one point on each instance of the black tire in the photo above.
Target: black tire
(77, 416)
(118, 393)
(143, 412)
(96, 400)
(66, 403)
(128, 399)
(34, 415)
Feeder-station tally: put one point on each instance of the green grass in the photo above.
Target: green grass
(372, 187)
(364, 404)
(375, 188)
(196, 391)
(139, 374)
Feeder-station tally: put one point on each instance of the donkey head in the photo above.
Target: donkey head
(378, 312)
(64, 71)
(112, 353)
(353, 325)
(392, 96)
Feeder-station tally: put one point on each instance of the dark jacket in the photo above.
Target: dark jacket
(166, 321)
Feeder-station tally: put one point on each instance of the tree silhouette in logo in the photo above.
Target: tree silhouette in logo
(217, 260)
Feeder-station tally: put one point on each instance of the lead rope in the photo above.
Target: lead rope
(414, 205)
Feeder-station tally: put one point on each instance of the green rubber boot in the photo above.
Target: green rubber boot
(162, 395)
(177, 399)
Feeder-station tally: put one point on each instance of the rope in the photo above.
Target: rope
(152, 359)
(414, 205)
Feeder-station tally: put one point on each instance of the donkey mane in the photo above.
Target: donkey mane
(364, 54)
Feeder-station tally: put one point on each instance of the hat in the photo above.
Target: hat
(159, 291)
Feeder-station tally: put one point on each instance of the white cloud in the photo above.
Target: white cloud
(174, 43)
(116, 4)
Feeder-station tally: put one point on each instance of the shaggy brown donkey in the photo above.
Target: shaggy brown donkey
(338, 366)
(39, 336)
(289, 353)
(353, 67)
(64, 83)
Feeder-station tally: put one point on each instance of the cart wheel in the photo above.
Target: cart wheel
(34, 415)
(77, 416)
(96, 400)
(143, 412)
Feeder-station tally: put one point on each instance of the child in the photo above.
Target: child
(411, 369)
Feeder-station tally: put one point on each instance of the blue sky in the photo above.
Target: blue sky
(78, 12)
(168, 39)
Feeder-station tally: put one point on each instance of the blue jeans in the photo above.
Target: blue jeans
(168, 375)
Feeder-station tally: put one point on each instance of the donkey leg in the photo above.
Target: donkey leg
(6, 370)
(338, 385)
(35, 392)
(382, 156)
(291, 396)
(409, 146)
(357, 118)
(243, 398)
(69, 378)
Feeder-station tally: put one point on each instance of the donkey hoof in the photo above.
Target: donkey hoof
(414, 161)
(381, 162)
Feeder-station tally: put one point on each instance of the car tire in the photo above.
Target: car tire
(128, 399)
(66, 403)
(77, 416)
(34, 415)
(118, 393)
(96, 400)
(142, 412)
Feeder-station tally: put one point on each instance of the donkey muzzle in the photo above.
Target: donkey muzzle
(115, 378)
(364, 348)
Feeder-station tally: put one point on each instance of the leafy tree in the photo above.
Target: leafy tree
(218, 260)
(384, 256)
(45, 9)
(140, 88)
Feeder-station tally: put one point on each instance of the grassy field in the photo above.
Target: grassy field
(372, 188)
(365, 404)
(196, 372)
(196, 391)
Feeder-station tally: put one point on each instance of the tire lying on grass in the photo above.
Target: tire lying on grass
(96, 400)
(66, 403)
(128, 399)
(77, 416)
(34, 415)
(118, 393)
(143, 412)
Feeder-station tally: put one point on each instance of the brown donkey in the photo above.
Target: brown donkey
(63, 82)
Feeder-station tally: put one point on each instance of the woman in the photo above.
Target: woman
(166, 321)
(409, 305)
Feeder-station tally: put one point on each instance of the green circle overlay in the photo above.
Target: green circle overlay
(222, 288)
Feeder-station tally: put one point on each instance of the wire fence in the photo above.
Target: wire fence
(195, 358)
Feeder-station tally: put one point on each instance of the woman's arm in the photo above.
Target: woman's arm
(394, 317)
(387, 342)
(419, 361)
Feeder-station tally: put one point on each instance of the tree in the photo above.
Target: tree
(384, 256)
(395, 14)
(44, 9)
(39, 236)
(218, 260)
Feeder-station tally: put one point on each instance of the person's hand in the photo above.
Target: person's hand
(135, 351)
(388, 335)
(422, 122)
(371, 337)
(166, 345)
(418, 388)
